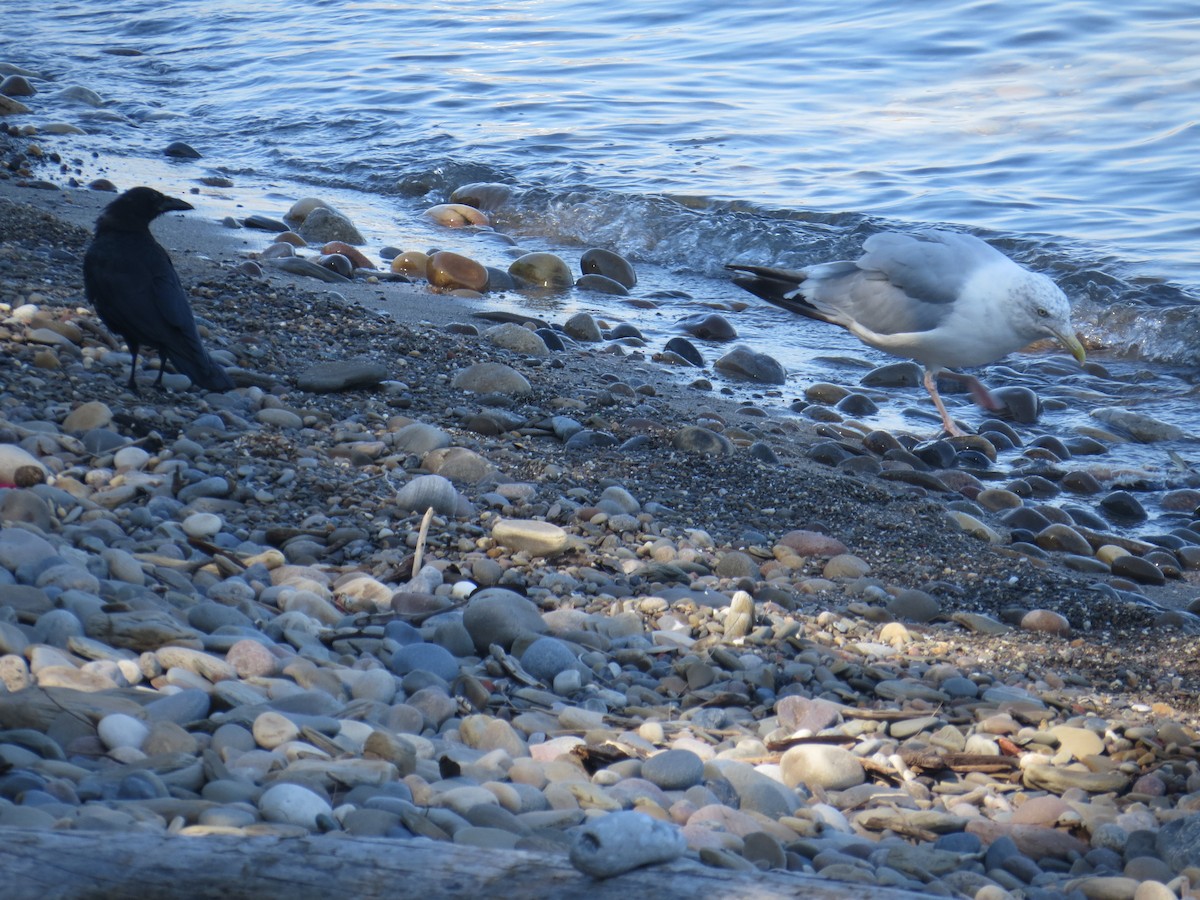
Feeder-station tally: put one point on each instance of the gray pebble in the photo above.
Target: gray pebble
(673, 770)
(623, 841)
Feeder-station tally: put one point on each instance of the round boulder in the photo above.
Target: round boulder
(293, 804)
(546, 657)
(698, 439)
(609, 265)
(543, 270)
(743, 362)
(445, 269)
(517, 338)
(500, 616)
(491, 378)
(323, 225)
(673, 770)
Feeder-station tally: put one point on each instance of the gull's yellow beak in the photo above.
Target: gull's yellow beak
(1068, 340)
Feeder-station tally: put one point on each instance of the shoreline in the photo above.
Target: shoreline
(206, 250)
(662, 547)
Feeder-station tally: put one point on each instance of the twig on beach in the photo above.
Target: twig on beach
(421, 536)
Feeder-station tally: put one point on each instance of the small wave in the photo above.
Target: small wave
(1170, 335)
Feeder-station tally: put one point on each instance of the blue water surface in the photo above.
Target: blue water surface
(687, 133)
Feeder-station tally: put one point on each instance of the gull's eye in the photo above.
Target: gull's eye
(1043, 313)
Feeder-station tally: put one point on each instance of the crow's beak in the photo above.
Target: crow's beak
(170, 204)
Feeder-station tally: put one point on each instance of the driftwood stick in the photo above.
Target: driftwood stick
(419, 554)
(88, 865)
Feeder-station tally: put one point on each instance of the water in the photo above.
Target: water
(687, 133)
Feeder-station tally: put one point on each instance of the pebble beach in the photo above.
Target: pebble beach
(522, 583)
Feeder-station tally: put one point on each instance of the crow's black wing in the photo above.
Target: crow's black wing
(132, 283)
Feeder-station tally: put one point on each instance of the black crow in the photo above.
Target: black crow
(129, 279)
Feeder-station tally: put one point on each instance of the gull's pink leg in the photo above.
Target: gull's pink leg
(947, 423)
(979, 392)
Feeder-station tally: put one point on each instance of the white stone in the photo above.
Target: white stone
(568, 682)
(293, 805)
(532, 536)
(202, 525)
(130, 458)
(119, 730)
(272, 729)
(833, 768)
(13, 458)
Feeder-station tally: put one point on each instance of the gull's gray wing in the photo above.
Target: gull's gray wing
(903, 283)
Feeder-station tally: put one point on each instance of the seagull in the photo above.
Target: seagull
(938, 297)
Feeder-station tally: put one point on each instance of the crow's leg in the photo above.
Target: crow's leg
(133, 349)
(162, 368)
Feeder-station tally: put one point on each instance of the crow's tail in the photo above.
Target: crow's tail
(197, 365)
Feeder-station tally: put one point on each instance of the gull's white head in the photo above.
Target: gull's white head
(1043, 311)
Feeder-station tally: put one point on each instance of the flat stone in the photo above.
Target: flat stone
(445, 269)
(980, 623)
(812, 543)
(1058, 780)
(271, 729)
(420, 438)
(1140, 427)
(1063, 539)
(531, 536)
(1034, 841)
(597, 261)
(487, 734)
(909, 689)
(1079, 742)
(87, 416)
(491, 377)
(542, 270)
(392, 748)
(1140, 570)
(341, 375)
(708, 327)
